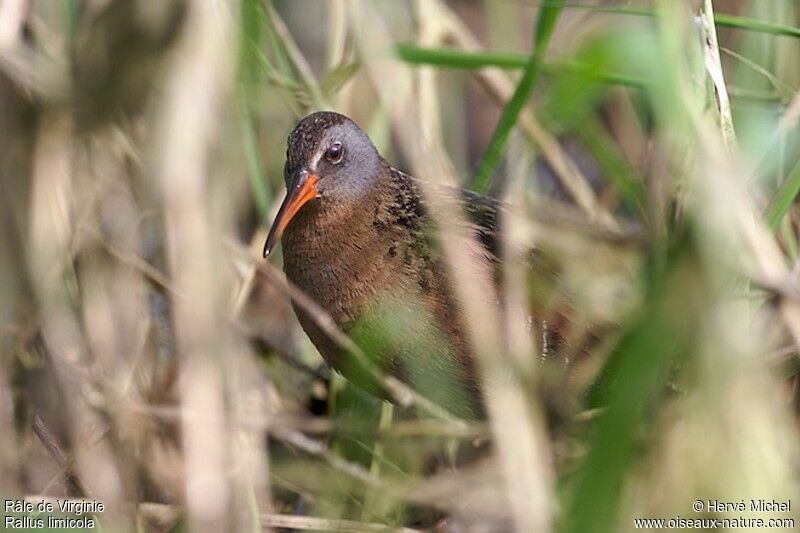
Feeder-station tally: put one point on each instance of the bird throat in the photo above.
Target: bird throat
(335, 254)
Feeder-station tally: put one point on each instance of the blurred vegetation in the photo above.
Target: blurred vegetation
(648, 153)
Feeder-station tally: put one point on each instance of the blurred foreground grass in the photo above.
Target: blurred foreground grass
(647, 151)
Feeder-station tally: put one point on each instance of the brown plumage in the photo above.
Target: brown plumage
(357, 238)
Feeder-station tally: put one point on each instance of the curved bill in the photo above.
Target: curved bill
(302, 188)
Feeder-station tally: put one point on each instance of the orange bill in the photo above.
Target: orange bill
(302, 188)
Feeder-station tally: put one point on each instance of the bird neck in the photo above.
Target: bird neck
(335, 253)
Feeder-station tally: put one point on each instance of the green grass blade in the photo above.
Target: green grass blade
(720, 19)
(250, 77)
(744, 23)
(459, 59)
(633, 381)
(783, 198)
(454, 58)
(70, 10)
(544, 29)
(250, 37)
(255, 172)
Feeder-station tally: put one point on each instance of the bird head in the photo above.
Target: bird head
(328, 159)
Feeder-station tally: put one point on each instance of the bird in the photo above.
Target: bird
(358, 237)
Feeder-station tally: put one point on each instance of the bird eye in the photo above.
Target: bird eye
(334, 153)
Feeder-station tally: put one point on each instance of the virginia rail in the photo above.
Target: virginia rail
(357, 238)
